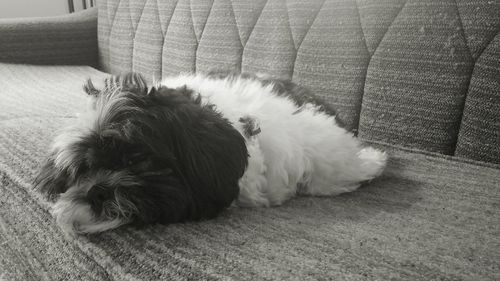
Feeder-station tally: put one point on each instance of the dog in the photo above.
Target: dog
(194, 144)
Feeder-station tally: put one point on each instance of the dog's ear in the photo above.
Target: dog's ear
(210, 152)
(90, 89)
(132, 81)
(167, 96)
(51, 181)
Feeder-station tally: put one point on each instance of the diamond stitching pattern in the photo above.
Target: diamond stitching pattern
(113, 6)
(477, 25)
(393, 5)
(300, 25)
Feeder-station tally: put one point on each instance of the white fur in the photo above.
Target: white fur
(302, 151)
(296, 152)
(75, 216)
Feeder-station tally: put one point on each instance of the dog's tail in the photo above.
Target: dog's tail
(373, 162)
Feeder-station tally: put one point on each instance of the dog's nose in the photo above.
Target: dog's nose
(97, 194)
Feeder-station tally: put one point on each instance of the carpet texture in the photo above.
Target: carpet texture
(428, 217)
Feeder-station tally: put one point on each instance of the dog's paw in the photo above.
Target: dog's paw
(373, 161)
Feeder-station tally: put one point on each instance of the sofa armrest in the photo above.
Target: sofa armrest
(66, 40)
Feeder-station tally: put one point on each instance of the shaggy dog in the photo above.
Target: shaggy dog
(193, 145)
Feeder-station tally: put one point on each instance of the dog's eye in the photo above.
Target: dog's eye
(134, 159)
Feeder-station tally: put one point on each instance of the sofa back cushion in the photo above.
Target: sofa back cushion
(399, 72)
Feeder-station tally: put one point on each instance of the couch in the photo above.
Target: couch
(419, 79)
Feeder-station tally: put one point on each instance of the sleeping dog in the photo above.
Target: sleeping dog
(194, 144)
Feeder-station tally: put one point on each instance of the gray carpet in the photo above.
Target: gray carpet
(428, 217)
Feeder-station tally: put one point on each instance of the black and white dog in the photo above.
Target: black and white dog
(193, 145)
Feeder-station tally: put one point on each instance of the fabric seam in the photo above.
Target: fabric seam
(467, 86)
(362, 94)
(305, 35)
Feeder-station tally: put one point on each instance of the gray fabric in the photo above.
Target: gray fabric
(428, 67)
(332, 58)
(417, 81)
(480, 130)
(67, 40)
(160, 38)
(34, 102)
(398, 71)
(421, 74)
(480, 23)
(428, 217)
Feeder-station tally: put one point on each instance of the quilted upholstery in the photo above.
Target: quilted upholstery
(400, 72)
(480, 129)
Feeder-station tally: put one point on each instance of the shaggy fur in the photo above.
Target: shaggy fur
(188, 147)
(302, 147)
(143, 157)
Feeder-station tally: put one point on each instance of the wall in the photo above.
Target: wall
(35, 8)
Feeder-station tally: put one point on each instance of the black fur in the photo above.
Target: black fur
(52, 181)
(131, 82)
(182, 160)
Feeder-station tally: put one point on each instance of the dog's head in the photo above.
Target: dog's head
(142, 156)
